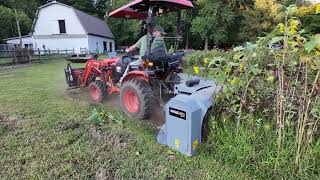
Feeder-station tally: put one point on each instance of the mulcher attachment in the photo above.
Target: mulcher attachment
(70, 78)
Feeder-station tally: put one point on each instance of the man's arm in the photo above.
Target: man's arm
(134, 47)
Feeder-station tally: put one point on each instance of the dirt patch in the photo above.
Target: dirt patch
(118, 140)
(68, 125)
(157, 117)
(8, 123)
(114, 141)
(78, 128)
(101, 174)
(108, 165)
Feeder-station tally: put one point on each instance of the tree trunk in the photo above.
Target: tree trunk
(187, 39)
(206, 44)
(18, 27)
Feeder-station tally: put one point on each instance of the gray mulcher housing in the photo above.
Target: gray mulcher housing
(186, 112)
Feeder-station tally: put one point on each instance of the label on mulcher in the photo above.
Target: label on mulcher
(177, 113)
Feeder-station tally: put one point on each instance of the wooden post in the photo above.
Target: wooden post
(28, 54)
(49, 52)
(73, 50)
(39, 54)
(13, 56)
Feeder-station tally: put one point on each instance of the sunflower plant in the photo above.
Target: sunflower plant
(297, 70)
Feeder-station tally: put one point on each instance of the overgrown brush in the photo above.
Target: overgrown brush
(271, 90)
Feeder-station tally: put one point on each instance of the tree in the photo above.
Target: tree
(213, 20)
(258, 18)
(8, 23)
(29, 7)
(83, 5)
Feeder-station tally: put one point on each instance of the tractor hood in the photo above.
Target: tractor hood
(138, 9)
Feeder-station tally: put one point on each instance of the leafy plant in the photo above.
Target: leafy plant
(272, 85)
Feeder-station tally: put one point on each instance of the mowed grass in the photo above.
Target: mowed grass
(44, 134)
(5, 60)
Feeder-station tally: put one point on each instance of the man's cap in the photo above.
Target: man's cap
(160, 29)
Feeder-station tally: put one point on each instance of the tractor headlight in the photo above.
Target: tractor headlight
(118, 69)
(147, 64)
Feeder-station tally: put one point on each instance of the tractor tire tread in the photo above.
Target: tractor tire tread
(103, 89)
(146, 96)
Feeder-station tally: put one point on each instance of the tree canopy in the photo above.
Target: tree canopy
(8, 24)
(213, 21)
(220, 23)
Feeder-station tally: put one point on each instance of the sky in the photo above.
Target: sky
(315, 1)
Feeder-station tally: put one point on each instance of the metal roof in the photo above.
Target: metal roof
(17, 37)
(93, 25)
(137, 9)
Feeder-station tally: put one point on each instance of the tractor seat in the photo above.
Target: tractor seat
(119, 68)
(126, 60)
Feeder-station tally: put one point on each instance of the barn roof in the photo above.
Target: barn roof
(91, 24)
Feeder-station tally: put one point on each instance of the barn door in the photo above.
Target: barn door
(110, 47)
(105, 46)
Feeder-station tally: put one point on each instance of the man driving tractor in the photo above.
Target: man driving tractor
(141, 44)
(137, 87)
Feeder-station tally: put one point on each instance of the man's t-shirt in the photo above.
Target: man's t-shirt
(143, 45)
(158, 42)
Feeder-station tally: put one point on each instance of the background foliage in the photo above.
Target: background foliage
(223, 23)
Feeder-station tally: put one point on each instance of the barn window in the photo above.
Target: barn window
(62, 26)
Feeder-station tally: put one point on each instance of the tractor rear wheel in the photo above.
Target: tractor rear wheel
(98, 91)
(137, 99)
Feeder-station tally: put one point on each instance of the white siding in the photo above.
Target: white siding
(47, 21)
(47, 33)
(61, 43)
(95, 41)
(25, 40)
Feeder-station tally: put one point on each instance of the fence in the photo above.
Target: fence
(24, 55)
(4, 47)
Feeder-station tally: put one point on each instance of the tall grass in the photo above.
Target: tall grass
(254, 150)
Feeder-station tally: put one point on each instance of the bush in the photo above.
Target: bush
(267, 116)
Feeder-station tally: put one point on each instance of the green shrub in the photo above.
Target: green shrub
(266, 118)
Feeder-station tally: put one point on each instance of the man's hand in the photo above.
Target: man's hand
(131, 48)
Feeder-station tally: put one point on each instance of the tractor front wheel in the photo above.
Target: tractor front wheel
(137, 99)
(98, 91)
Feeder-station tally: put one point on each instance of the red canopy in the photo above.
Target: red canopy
(137, 9)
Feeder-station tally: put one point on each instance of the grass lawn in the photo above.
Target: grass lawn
(44, 134)
(5, 60)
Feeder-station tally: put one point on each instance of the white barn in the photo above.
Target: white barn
(59, 26)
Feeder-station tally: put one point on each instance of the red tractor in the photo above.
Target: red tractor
(139, 86)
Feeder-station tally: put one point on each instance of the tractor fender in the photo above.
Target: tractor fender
(136, 75)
